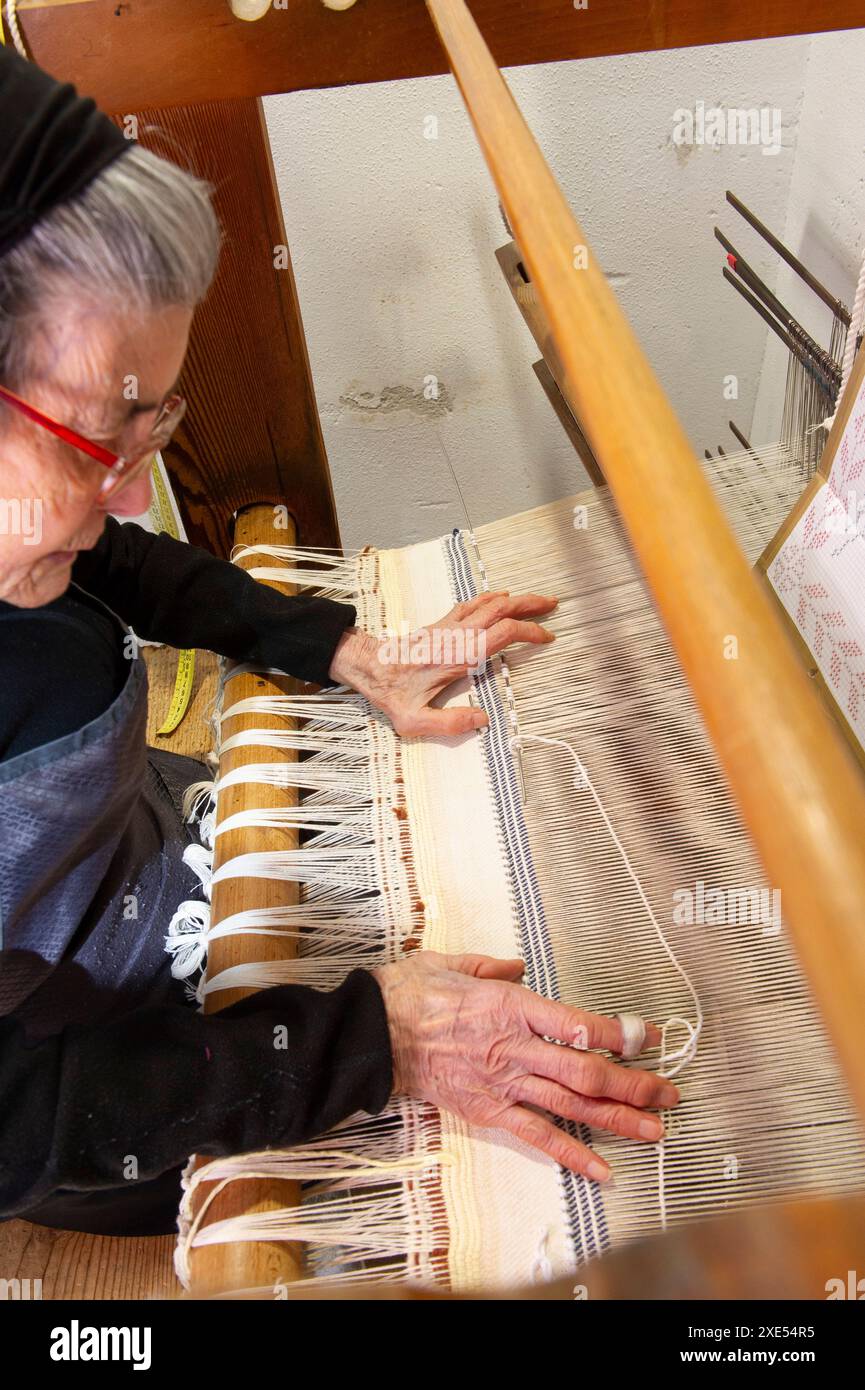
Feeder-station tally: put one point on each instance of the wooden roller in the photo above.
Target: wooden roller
(247, 1264)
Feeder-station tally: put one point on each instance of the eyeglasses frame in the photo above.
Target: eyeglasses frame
(123, 469)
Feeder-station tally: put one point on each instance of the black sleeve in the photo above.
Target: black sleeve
(34, 645)
(181, 595)
(163, 1083)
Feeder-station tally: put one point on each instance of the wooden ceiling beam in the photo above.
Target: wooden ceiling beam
(130, 54)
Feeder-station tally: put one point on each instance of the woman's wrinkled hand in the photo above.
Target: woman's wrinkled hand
(468, 1038)
(401, 676)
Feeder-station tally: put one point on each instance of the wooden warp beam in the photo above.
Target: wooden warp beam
(796, 785)
(249, 1264)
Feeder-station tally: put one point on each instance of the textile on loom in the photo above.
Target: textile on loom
(819, 571)
(593, 854)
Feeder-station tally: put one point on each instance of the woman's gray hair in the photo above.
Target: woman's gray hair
(143, 234)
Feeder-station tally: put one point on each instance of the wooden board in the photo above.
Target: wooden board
(164, 53)
(549, 371)
(252, 432)
(71, 1264)
(568, 422)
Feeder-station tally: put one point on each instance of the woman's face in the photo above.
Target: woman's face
(105, 375)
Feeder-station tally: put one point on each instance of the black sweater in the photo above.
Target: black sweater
(161, 1083)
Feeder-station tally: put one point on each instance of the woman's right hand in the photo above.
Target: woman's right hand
(468, 1038)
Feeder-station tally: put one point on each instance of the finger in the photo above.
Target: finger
(502, 634)
(652, 1038)
(550, 1019)
(540, 1133)
(486, 967)
(600, 1114)
(439, 723)
(593, 1075)
(512, 606)
(471, 605)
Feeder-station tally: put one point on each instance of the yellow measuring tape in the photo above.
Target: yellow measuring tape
(162, 513)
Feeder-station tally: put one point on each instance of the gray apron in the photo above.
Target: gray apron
(91, 873)
(91, 869)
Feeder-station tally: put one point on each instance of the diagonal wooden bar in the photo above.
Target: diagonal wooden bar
(548, 371)
(798, 789)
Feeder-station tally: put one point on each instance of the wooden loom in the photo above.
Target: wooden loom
(768, 729)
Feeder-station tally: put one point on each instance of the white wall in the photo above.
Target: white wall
(825, 222)
(392, 237)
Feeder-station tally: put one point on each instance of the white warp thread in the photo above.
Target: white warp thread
(688, 1051)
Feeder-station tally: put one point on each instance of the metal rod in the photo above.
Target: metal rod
(839, 309)
(786, 338)
(741, 438)
(829, 368)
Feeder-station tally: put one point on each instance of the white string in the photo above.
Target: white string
(582, 781)
(687, 1052)
(542, 1268)
(14, 29)
(186, 940)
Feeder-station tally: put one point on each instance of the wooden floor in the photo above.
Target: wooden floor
(72, 1265)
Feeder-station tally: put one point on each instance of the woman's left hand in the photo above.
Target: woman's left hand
(402, 675)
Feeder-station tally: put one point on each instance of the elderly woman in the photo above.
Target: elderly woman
(109, 1076)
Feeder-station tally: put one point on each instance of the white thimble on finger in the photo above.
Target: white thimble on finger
(633, 1034)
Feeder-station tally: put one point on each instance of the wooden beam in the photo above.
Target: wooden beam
(549, 371)
(528, 302)
(165, 53)
(252, 432)
(566, 419)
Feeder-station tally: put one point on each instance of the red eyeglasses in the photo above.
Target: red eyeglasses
(123, 469)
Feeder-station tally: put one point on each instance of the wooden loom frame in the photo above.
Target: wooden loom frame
(772, 737)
